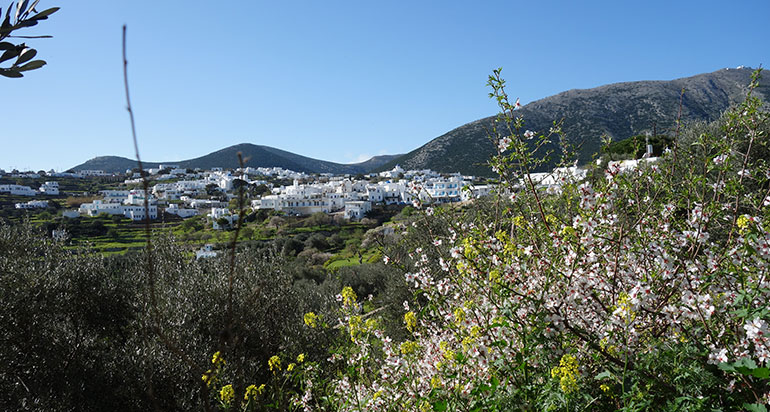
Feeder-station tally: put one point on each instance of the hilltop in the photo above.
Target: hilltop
(619, 110)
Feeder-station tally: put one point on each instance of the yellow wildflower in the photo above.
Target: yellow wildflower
(494, 276)
(459, 315)
(300, 358)
(291, 367)
(227, 394)
(604, 387)
(448, 354)
(743, 223)
(209, 377)
(408, 347)
(274, 363)
(311, 319)
(462, 268)
(567, 373)
(217, 358)
(435, 382)
(467, 343)
(411, 321)
(425, 406)
(354, 323)
(348, 296)
(371, 324)
(252, 391)
(568, 231)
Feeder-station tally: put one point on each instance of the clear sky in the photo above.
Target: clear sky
(337, 80)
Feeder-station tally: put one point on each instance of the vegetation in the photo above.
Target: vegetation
(16, 18)
(642, 289)
(635, 147)
(639, 289)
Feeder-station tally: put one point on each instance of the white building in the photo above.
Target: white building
(50, 188)
(174, 209)
(33, 204)
(627, 165)
(134, 212)
(219, 213)
(93, 173)
(207, 251)
(17, 190)
(395, 172)
(356, 210)
(138, 212)
(115, 196)
(477, 191)
(136, 197)
(205, 203)
(440, 190)
(558, 177)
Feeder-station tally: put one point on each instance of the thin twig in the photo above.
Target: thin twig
(155, 316)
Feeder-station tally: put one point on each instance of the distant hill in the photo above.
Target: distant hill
(619, 110)
(377, 162)
(111, 164)
(254, 155)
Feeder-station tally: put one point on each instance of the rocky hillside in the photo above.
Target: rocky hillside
(619, 110)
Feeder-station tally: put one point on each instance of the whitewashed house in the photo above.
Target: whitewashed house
(92, 173)
(50, 188)
(33, 204)
(174, 209)
(356, 210)
(218, 213)
(18, 190)
(441, 190)
(134, 212)
(477, 191)
(136, 197)
(114, 196)
(374, 194)
(205, 252)
(138, 212)
(395, 172)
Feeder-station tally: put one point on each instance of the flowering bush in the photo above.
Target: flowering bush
(638, 287)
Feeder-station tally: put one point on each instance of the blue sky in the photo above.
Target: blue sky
(337, 80)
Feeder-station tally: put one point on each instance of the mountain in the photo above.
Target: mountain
(376, 162)
(253, 155)
(619, 110)
(111, 164)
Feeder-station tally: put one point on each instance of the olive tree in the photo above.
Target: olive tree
(20, 55)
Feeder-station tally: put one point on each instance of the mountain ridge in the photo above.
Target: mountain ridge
(619, 110)
(253, 155)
